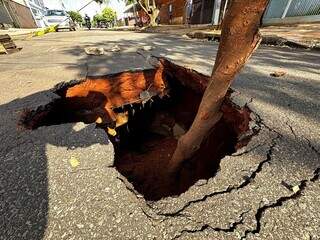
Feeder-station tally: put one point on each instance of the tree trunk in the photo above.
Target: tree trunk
(153, 17)
(152, 11)
(240, 37)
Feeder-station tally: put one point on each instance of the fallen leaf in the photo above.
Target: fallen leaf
(74, 162)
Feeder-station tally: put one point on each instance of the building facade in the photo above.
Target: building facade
(176, 12)
(292, 12)
(172, 11)
(190, 11)
(38, 10)
(134, 14)
(16, 13)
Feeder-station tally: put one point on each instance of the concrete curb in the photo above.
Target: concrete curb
(280, 41)
(266, 39)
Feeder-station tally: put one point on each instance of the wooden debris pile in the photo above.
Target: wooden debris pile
(7, 45)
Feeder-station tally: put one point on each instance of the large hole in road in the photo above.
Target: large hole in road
(150, 110)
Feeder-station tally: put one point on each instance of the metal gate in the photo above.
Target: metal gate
(196, 11)
(4, 14)
(20, 14)
(292, 11)
(202, 11)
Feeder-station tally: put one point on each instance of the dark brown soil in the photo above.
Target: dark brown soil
(142, 155)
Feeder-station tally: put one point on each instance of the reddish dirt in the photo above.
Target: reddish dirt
(147, 170)
(97, 97)
(145, 145)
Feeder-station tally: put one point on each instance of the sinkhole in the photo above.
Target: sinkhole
(144, 113)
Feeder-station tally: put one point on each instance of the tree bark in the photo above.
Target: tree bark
(239, 38)
(151, 11)
(153, 17)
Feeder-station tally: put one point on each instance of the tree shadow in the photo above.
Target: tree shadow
(297, 91)
(24, 194)
(132, 55)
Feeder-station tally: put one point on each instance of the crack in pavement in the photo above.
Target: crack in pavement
(247, 180)
(142, 202)
(311, 146)
(280, 201)
(292, 130)
(232, 228)
(305, 138)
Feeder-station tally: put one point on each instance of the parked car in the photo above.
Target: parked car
(102, 24)
(60, 19)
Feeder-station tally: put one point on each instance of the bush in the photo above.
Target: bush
(109, 15)
(75, 16)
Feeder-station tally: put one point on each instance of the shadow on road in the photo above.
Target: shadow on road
(298, 93)
(24, 193)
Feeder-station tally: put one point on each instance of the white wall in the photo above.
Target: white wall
(53, 4)
(22, 2)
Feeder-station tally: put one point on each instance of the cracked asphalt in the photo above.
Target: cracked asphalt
(269, 189)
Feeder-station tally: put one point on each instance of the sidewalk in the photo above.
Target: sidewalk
(302, 36)
(23, 33)
(18, 33)
(306, 34)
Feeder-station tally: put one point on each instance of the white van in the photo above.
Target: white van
(60, 19)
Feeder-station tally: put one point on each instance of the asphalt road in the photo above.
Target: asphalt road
(268, 190)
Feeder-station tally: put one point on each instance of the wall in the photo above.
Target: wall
(292, 12)
(178, 11)
(202, 11)
(22, 2)
(20, 14)
(5, 17)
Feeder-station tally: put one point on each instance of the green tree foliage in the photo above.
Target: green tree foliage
(109, 14)
(75, 16)
(128, 2)
(97, 18)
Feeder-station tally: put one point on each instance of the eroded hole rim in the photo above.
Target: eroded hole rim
(242, 134)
